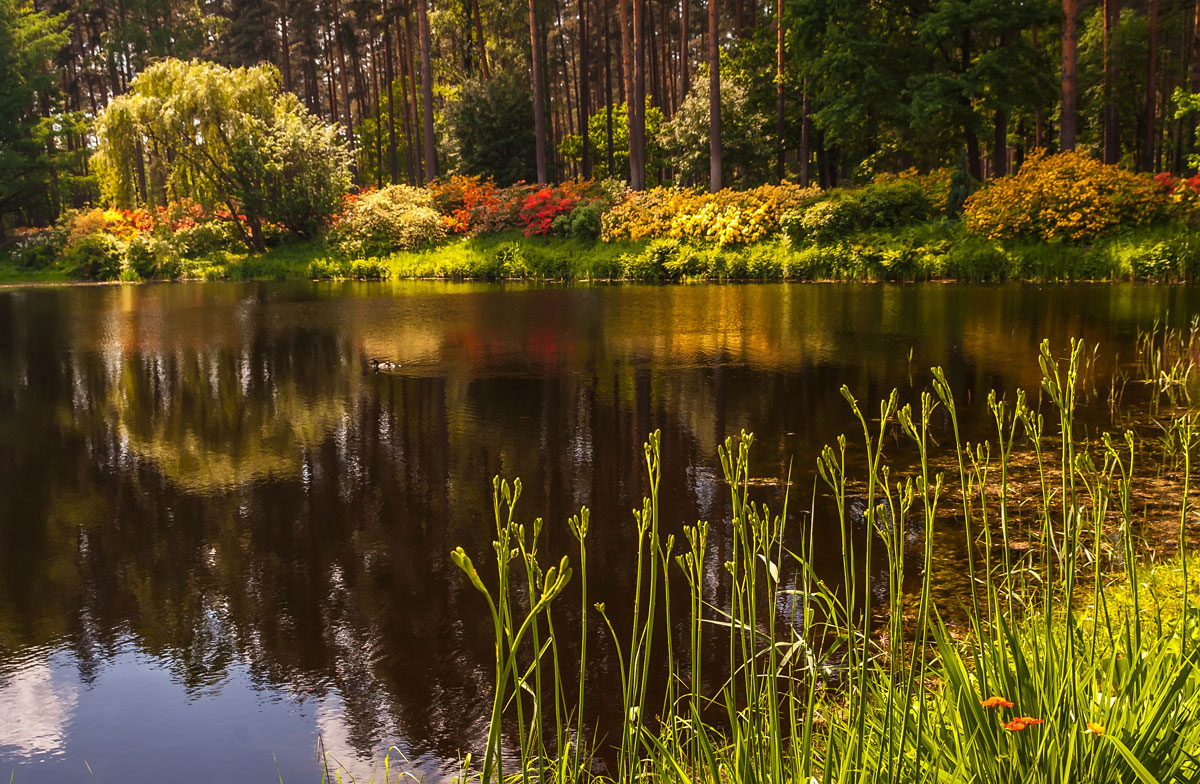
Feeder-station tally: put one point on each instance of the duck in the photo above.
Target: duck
(383, 364)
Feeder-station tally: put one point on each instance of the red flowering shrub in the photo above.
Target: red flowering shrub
(544, 205)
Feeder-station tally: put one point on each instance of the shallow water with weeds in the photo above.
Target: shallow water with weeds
(225, 530)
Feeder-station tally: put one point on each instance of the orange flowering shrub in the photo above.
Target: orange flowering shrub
(727, 217)
(1065, 196)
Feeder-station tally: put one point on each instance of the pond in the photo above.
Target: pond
(224, 531)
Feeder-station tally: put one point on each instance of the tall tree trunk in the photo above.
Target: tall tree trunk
(714, 100)
(627, 68)
(568, 67)
(637, 131)
(418, 175)
(285, 51)
(685, 14)
(1149, 124)
(1070, 81)
(805, 137)
(664, 57)
(780, 120)
(974, 163)
(974, 166)
(1193, 76)
(390, 79)
(341, 63)
(608, 97)
(539, 110)
(1000, 145)
(1037, 112)
(431, 162)
(1112, 141)
(408, 93)
(329, 57)
(374, 50)
(480, 42)
(585, 109)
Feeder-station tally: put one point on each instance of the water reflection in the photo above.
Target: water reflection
(222, 536)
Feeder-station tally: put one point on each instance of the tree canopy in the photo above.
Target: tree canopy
(221, 136)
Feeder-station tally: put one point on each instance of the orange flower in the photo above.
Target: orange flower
(995, 702)
(1020, 722)
(1094, 729)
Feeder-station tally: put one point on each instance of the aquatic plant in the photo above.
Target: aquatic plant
(1040, 679)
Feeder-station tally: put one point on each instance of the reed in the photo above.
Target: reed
(1062, 668)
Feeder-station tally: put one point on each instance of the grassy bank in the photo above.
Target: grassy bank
(928, 251)
(1073, 664)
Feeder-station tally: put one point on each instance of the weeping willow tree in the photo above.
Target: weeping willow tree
(226, 138)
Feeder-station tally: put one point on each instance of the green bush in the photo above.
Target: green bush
(397, 217)
(897, 203)
(560, 226)
(38, 249)
(149, 256)
(651, 264)
(369, 269)
(1178, 257)
(585, 223)
(204, 238)
(832, 219)
(509, 261)
(327, 269)
(95, 256)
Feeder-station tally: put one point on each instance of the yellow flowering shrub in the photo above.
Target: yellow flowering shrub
(1065, 196)
(728, 217)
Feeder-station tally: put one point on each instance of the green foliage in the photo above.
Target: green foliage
(205, 237)
(655, 263)
(841, 214)
(1060, 670)
(29, 42)
(96, 256)
(827, 220)
(151, 256)
(571, 147)
(745, 144)
(894, 204)
(38, 250)
(222, 137)
(585, 223)
(397, 217)
(490, 126)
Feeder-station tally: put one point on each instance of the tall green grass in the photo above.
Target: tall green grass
(1042, 679)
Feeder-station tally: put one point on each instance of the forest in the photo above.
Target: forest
(604, 95)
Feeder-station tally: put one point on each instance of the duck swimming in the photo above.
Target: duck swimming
(378, 364)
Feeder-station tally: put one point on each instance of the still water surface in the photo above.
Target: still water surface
(224, 536)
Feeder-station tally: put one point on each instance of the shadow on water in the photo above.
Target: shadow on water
(224, 532)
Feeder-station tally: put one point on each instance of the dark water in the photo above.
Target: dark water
(222, 536)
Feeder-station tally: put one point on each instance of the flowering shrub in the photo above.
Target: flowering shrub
(728, 217)
(473, 205)
(1183, 193)
(397, 217)
(541, 207)
(1065, 196)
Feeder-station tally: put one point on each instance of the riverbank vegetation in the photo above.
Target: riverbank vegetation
(1062, 217)
(1062, 655)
